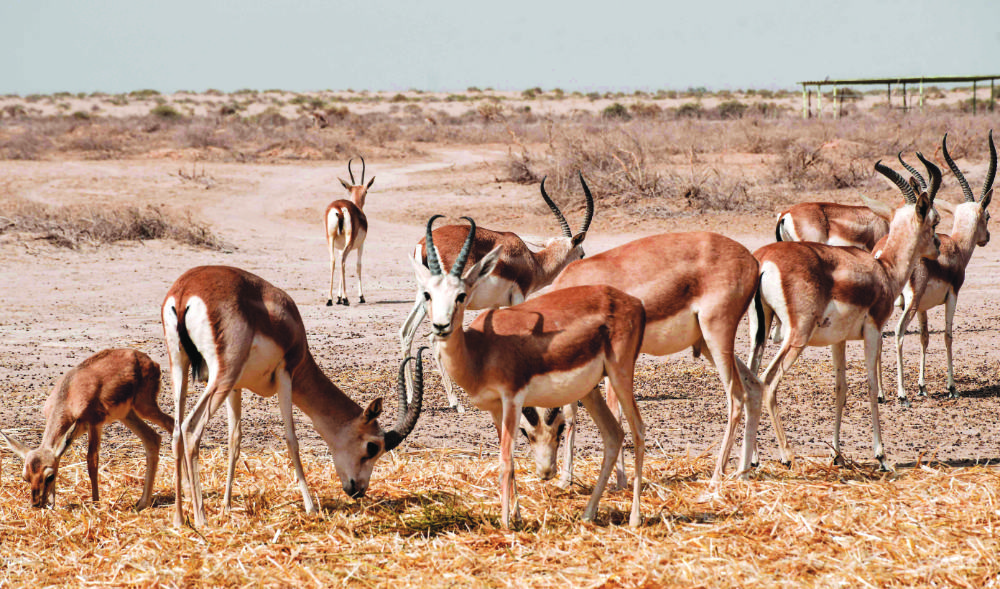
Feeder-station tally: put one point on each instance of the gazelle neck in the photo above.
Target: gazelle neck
(358, 194)
(550, 261)
(898, 257)
(456, 354)
(327, 406)
(965, 228)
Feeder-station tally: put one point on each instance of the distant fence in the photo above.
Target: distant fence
(838, 100)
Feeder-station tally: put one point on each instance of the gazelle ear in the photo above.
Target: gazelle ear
(985, 201)
(915, 185)
(878, 207)
(15, 445)
(422, 272)
(923, 206)
(345, 183)
(578, 238)
(943, 205)
(374, 410)
(483, 267)
(67, 439)
(370, 182)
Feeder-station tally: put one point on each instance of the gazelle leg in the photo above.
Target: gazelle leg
(507, 427)
(621, 481)
(179, 378)
(446, 381)
(757, 346)
(621, 382)
(342, 290)
(873, 338)
(949, 317)
(194, 427)
(754, 392)
(566, 475)
(333, 269)
(839, 353)
(406, 335)
(909, 310)
(613, 436)
(925, 339)
(285, 403)
(781, 363)
(361, 289)
(93, 459)
(234, 411)
(151, 444)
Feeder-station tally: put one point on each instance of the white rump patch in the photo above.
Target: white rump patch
(199, 328)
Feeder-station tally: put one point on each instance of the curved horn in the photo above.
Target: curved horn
(463, 255)
(432, 257)
(350, 172)
(590, 204)
(954, 170)
(555, 211)
(913, 171)
(935, 173)
(407, 414)
(551, 414)
(362, 168)
(896, 179)
(992, 171)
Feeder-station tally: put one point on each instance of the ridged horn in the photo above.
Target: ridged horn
(433, 263)
(935, 173)
(351, 172)
(913, 171)
(992, 171)
(463, 255)
(551, 414)
(407, 413)
(954, 170)
(362, 168)
(567, 232)
(898, 180)
(531, 414)
(590, 204)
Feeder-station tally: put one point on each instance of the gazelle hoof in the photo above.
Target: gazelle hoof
(787, 464)
(564, 483)
(838, 460)
(329, 302)
(361, 300)
(923, 391)
(904, 402)
(344, 302)
(953, 393)
(881, 399)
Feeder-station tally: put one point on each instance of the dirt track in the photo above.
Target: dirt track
(61, 306)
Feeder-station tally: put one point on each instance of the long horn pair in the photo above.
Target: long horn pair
(406, 413)
(898, 180)
(434, 263)
(352, 173)
(990, 173)
(935, 173)
(913, 171)
(567, 232)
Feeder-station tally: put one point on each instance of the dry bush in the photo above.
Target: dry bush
(74, 226)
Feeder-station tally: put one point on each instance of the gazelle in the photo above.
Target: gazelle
(832, 224)
(517, 273)
(937, 282)
(346, 228)
(548, 351)
(111, 385)
(237, 331)
(695, 288)
(825, 295)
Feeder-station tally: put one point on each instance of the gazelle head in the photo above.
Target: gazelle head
(360, 442)
(543, 433)
(971, 213)
(917, 217)
(568, 247)
(41, 466)
(358, 190)
(446, 295)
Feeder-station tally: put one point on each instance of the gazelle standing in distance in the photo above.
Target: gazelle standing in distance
(518, 272)
(548, 351)
(346, 228)
(695, 288)
(937, 282)
(237, 331)
(111, 385)
(825, 295)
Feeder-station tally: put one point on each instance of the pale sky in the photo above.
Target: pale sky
(121, 45)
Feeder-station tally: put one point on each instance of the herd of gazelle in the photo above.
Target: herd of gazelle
(832, 276)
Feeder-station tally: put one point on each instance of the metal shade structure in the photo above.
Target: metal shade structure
(920, 81)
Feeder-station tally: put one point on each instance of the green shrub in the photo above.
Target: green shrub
(731, 109)
(143, 94)
(165, 111)
(616, 110)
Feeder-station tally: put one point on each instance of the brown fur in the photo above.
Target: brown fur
(824, 222)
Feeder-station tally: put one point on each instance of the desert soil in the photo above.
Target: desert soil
(60, 306)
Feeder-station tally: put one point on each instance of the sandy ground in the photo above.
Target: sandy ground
(62, 305)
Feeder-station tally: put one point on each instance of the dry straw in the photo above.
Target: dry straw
(431, 519)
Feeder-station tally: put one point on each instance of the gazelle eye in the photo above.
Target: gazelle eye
(427, 296)
(50, 478)
(372, 449)
(460, 298)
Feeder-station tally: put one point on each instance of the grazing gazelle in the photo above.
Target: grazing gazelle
(517, 273)
(937, 282)
(111, 385)
(548, 351)
(695, 288)
(825, 295)
(238, 331)
(346, 228)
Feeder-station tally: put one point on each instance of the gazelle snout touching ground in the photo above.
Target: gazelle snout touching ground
(235, 331)
(112, 385)
(346, 229)
(695, 288)
(826, 295)
(518, 272)
(937, 282)
(547, 352)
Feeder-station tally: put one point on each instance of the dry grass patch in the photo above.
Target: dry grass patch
(431, 520)
(76, 225)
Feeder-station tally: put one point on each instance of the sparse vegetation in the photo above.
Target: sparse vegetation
(165, 111)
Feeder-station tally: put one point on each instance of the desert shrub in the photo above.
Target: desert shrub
(14, 111)
(616, 110)
(398, 97)
(731, 109)
(473, 89)
(690, 110)
(531, 93)
(26, 145)
(644, 110)
(201, 135)
(270, 117)
(143, 94)
(165, 111)
(73, 226)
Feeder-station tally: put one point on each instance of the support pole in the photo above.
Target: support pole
(805, 103)
(973, 97)
(904, 96)
(836, 103)
(809, 96)
(921, 94)
(819, 102)
(888, 95)
(992, 95)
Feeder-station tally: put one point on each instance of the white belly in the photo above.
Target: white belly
(556, 389)
(492, 292)
(934, 295)
(259, 371)
(839, 322)
(668, 336)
